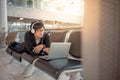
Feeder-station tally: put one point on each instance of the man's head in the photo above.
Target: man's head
(37, 28)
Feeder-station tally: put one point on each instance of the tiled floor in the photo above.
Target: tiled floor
(14, 70)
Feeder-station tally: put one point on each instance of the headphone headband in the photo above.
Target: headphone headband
(32, 29)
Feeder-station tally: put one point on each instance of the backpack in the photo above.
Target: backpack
(18, 47)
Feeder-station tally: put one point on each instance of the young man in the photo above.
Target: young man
(37, 41)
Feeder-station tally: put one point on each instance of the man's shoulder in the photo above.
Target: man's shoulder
(28, 33)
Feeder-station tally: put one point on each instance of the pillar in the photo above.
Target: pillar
(3, 16)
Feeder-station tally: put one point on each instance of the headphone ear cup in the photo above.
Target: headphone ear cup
(32, 30)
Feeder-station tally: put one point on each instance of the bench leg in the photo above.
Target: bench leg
(64, 76)
(72, 74)
(75, 76)
(12, 60)
(29, 69)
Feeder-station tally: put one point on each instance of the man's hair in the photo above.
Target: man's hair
(36, 25)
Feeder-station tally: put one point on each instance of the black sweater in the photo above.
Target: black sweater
(30, 42)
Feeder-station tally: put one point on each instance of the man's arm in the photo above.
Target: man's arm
(46, 42)
(46, 50)
(38, 48)
(29, 44)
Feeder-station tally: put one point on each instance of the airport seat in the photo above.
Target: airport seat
(58, 36)
(55, 68)
(10, 37)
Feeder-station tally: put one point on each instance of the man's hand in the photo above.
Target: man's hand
(38, 48)
(46, 50)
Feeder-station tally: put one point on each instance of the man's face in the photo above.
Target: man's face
(39, 33)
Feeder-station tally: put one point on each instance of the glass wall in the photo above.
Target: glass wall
(18, 26)
(73, 7)
(68, 7)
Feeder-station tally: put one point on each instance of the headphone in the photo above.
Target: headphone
(32, 30)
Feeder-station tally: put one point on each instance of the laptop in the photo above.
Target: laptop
(57, 50)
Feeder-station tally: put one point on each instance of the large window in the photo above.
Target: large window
(63, 6)
(60, 12)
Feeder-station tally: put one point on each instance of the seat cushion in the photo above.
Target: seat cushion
(29, 58)
(17, 56)
(9, 51)
(55, 67)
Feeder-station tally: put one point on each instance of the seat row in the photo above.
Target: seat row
(55, 68)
